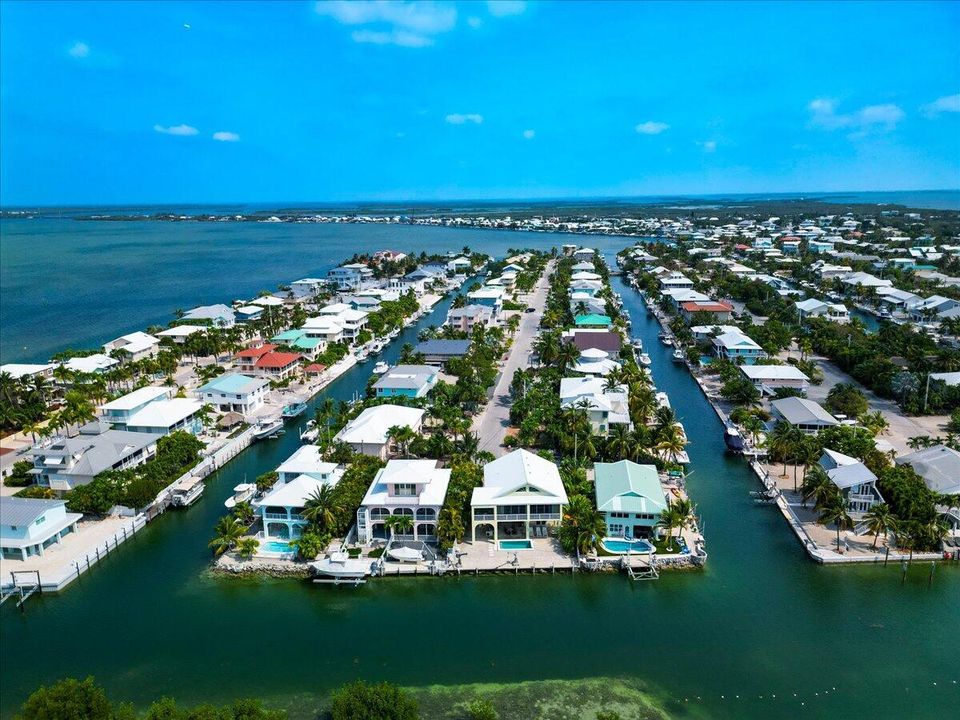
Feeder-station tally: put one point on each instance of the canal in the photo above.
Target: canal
(759, 621)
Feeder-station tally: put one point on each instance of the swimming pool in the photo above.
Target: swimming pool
(620, 546)
(515, 545)
(277, 547)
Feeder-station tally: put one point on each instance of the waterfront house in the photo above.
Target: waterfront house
(708, 332)
(521, 497)
(232, 392)
(410, 381)
(467, 317)
(605, 406)
(353, 276)
(692, 311)
(459, 265)
(281, 509)
(277, 366)
(491, 297)
(939, 466)
(179, 333)
(308, 460)
(737, 348)
(298, 341)
(769, 378)
(247, 358)
(594, 362)
(439, 351)
(326, 329)
(95, 364)
(804, 414)
(306, 287)
(366, 303)
(931, 308)
(593, 320)
(21, 371)
(249, 313)
(587, 339)
(835, 312)
(64, 463)
(675, 281)
(584, 254)
(153, 410)
(367, 433)
(352, 321)
(218, 315)
(583, 267)
(854, 480)
(629, 497)
(133, 346)
(861, 281)
(415, 488)
(678, 296)
(28, 526)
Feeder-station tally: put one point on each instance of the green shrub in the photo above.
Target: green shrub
(360, 701)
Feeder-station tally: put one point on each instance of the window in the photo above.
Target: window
(616, 529)
(404, 489)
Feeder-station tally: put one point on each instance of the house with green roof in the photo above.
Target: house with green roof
(592, 320)
(630, 498)
(300, 342)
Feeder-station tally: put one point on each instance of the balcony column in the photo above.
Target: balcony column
(526, 525)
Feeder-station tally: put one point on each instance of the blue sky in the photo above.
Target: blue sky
(182, 102)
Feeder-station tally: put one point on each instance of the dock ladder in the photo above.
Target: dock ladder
(23, 588)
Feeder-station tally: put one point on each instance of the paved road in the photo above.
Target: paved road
(491, 424)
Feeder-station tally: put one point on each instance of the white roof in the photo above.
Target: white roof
(708, 329)
(800, 411)
(164, 413)
(134, 342)
(90, 363)
(735, 340)
(19, 370)
(772, 372)
(181, 331)
(307, 459)
(334, 309)
(269, 300)
(412, 472)
(323, 324)
(372, 424)
(810, 305)
(950, 378)
(293, 493)
(487, 292)
(137, 398)
(520, 478)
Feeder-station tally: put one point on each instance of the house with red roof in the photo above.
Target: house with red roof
(277, 365)
(247, 359)
(694, 311)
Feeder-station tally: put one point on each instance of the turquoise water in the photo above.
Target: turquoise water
(622, 546)
(515, 545)
(276, 546)
(760, 620)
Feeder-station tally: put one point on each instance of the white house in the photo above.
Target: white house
(327, 329)
(854, 480)
(367, 433)
(939, 466)
(737, 347)
(306, 287)
(152, 410)
(836, 312)
(28, 526)
(232, 392)
(595, 362)
(218, 315)
(180, 333)
(282, 507)
(350, 277)
(134, 346)
(521, 497)
(769, 378)
(605, 407)
(415, 488)
(19, 371)
(307, 460)
(91, 364)
(805, 414)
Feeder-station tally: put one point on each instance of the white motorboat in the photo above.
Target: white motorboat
(241, 493)
(637, 344)
(186, 491)
(267, 428)
(340, 567)
(362, 356)
(381, 367)
(644, 360)
(405, 554)
(678, 356)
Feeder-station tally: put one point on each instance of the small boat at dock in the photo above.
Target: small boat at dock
(340, 568)
(241, 493)
(294, 410)
(380, 368)
(637, 344)
(644, 360)
(268, 428)
(733, 440)
(186, 492)
(362, 356)
(678, 356)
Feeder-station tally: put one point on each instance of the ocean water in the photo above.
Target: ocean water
(69, 283)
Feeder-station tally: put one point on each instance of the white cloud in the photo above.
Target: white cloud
(529, 134)
(391, 37)
(226, 136)
(945, 104)
(651, 127)
(408, 24)
(463, 118)
(708, 146)
(79, 50)
(823, 114)
(182, 130)
(505, 8)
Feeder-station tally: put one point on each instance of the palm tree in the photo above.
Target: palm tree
(880, 519)
(227, 533)
(817, 485)
(399, 524)
(401, 435)
(619, 442)
(835, 511)
(320, 508)
(669, 519)
(779, 443)
(582, 526)
(247, 547)
(753, 427)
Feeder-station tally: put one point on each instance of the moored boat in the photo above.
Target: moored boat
(732, 439)
(186, 492)
(339, 567)
(381, 367)
(294, 410)
(267, 428)
(644, 360)
(241, 493)
(678, 356)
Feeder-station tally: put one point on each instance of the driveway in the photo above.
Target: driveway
(491, 424)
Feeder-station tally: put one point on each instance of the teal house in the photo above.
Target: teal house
(300, 342)
(592, 320)
(630, 498)
(410, 381)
